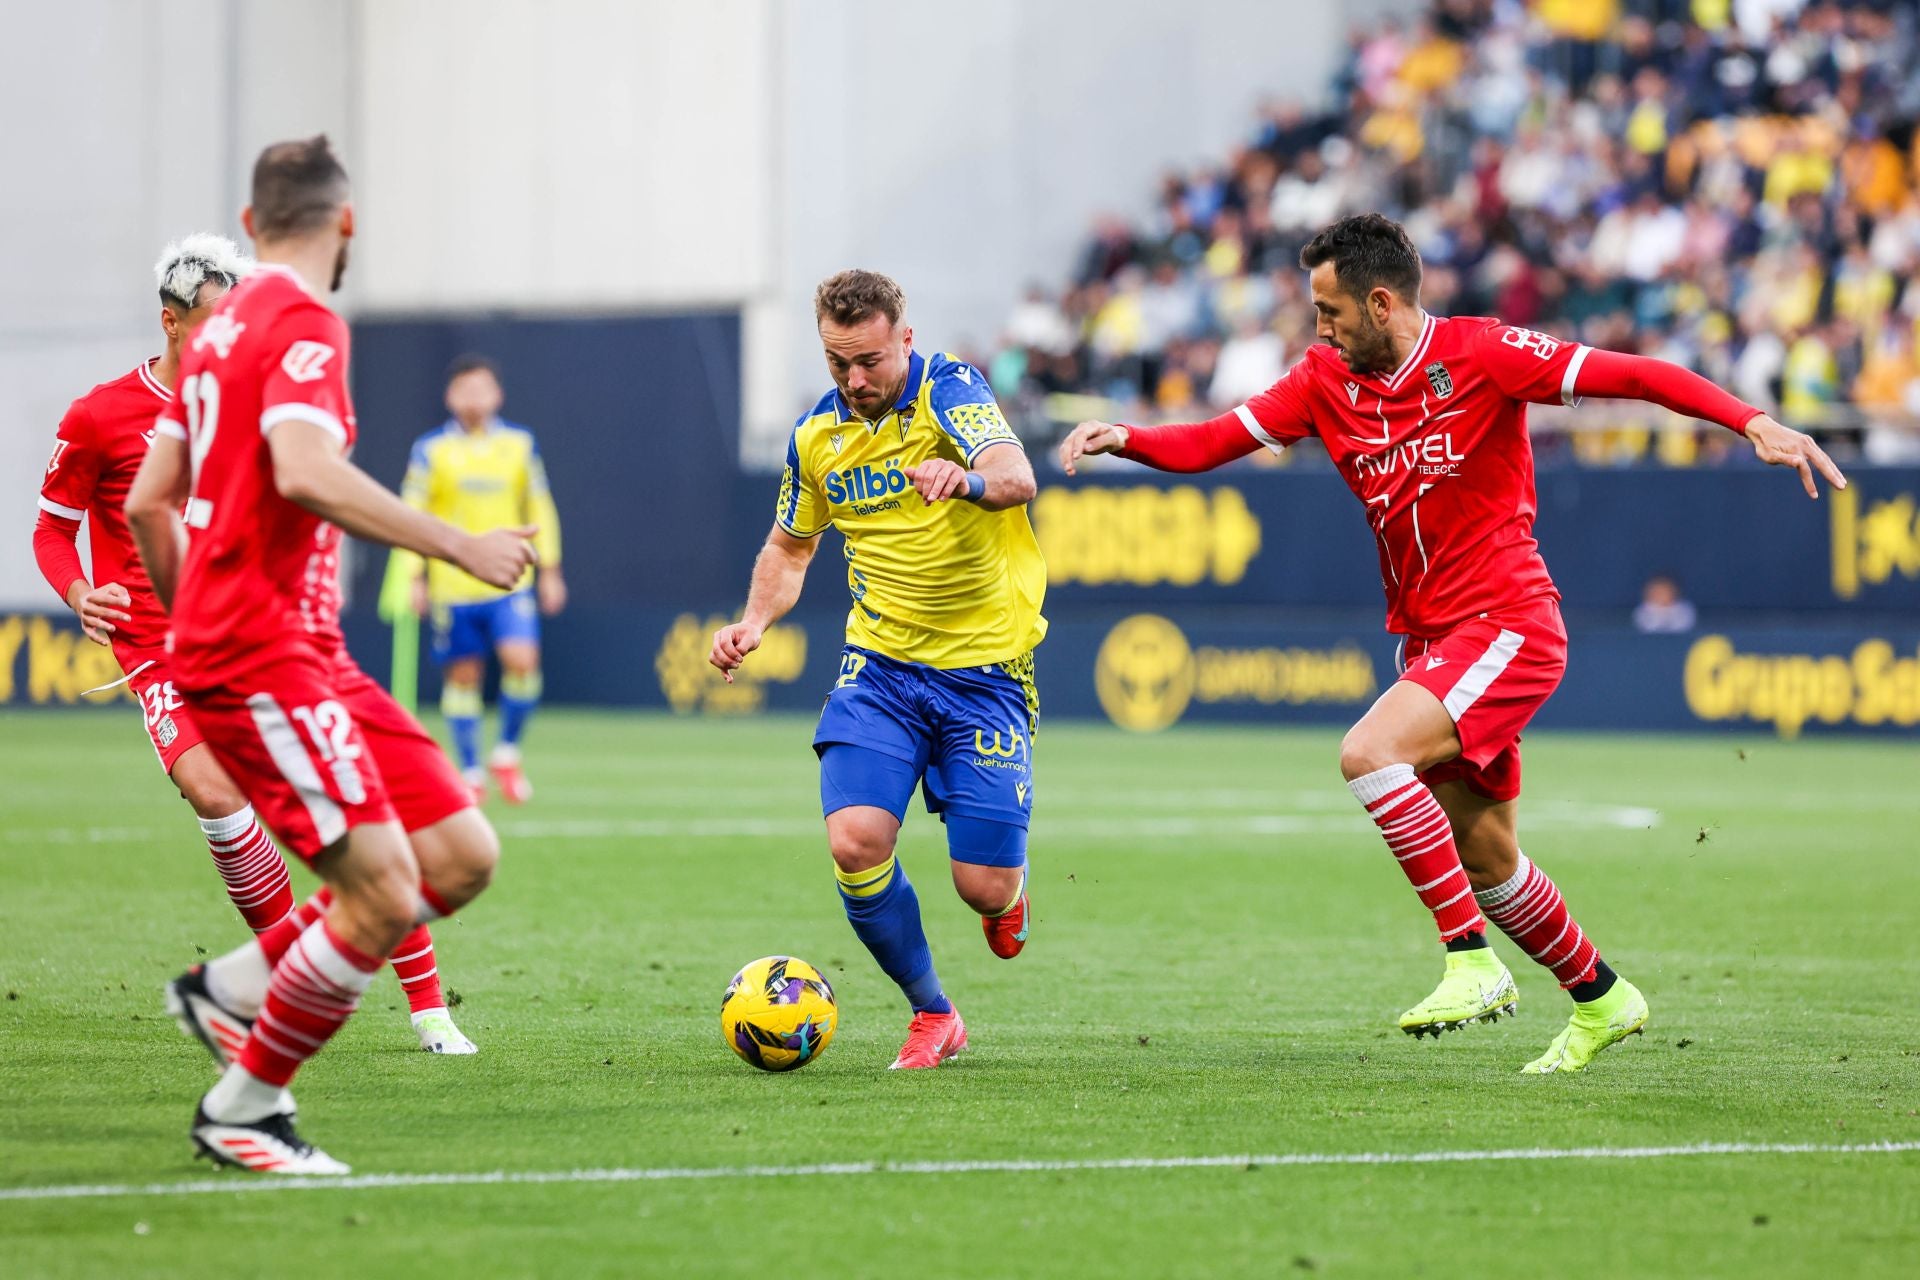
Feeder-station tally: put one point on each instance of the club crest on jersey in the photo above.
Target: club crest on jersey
(307, 361)
(220, 332)
(1440, 380)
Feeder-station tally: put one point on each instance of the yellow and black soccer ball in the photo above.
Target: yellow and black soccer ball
(778, 1013)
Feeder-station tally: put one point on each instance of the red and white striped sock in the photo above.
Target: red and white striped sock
(1421, 838)
(239, 978)
(315, 907)
(418, 971)
(413, 960)
(314, 988)
(251, 866)
(1529, 909)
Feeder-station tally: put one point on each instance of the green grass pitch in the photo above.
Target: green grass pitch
(1221, 947)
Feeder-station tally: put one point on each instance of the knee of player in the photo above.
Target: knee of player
(483, 859)
(471, 869)
(387, 903)
(860, 846)
(1361, 754)
(211, 798)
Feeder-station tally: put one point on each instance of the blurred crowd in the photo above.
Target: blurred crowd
(1733, 185)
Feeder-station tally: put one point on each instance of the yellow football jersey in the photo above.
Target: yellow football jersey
(476, 481)
(948, 585)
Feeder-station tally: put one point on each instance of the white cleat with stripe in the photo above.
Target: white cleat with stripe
(201, 1017)
(266, 1145)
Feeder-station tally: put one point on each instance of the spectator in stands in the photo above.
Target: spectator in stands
(1734, 183)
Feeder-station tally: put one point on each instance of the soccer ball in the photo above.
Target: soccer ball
(778, 1013)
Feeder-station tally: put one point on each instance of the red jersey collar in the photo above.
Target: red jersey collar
(151, 383)
(1393, 380)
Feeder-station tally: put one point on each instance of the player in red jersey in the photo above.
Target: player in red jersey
(1425, 418)
(254, 450)
(101, 443)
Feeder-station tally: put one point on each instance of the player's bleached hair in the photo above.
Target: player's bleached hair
(852, 297)
(191, 261)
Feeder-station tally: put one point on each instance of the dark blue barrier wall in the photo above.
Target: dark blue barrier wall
(1740, 539)
(1267, 580)
(637, 417)
(1146, 670)
(1271, 581)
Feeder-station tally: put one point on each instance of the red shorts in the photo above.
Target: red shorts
(169, 726)
(1493, 673)
(319, 749)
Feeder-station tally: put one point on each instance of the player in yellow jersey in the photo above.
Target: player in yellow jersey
(477, 471)
(910, 458)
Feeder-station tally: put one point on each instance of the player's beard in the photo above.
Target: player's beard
(339, 268)
(1371, 351)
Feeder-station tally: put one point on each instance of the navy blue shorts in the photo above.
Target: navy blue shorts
(475, 630)
(967, 735)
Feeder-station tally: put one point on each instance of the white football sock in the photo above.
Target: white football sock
(239, 1097)
(238, 979)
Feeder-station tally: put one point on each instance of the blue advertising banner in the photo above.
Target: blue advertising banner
(1147, 670)
(1742, 539)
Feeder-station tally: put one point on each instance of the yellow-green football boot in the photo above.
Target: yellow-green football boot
(1595, 1025)
(1477, 988)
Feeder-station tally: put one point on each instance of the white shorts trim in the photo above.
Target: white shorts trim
(1482, 673)
(282, 741)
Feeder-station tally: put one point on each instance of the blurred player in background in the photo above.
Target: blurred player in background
(1426, 420)
(254, 451)
(477, 471)
(910, 458)
(102, 440)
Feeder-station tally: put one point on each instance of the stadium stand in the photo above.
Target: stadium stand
(1729, 184)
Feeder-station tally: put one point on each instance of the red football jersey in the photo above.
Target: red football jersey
(1438, 452)
(101, 444)
(262, 575)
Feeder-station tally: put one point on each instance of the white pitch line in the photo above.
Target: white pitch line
(239, 1183)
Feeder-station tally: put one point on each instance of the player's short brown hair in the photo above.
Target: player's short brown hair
(852, 297)
(1367, 250)
(297, 187)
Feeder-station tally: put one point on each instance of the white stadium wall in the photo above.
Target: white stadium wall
(965, 148)
(602, 155)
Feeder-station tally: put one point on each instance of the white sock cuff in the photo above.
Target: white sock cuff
(230, 828)
(330, 962)
(239, 979)
(1368, 788)
(1507, 889)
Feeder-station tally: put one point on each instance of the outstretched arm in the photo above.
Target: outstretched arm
(1179, 446)
(1619, 376)
(778, 575)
